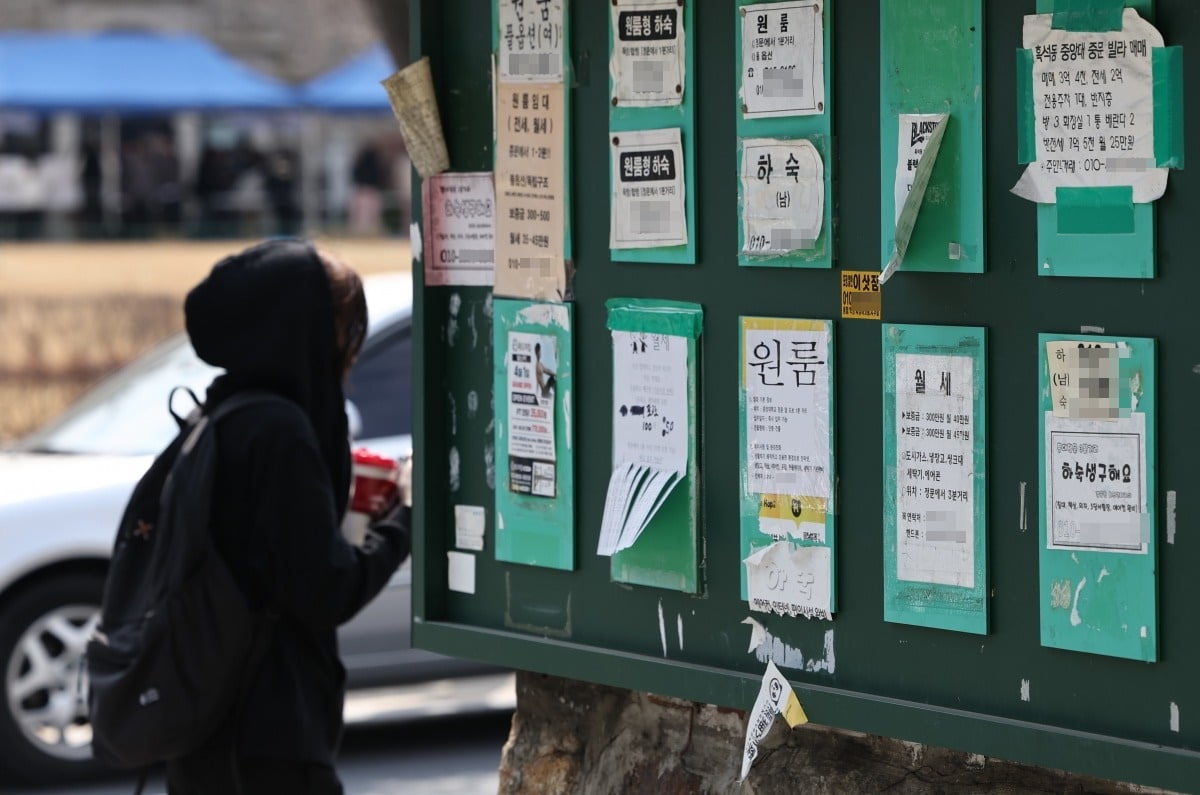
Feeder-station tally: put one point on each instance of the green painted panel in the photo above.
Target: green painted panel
(1167, 63)
(1092, 211)
(814, 128)
(935, 571)
(667, 554)
(1098, 559)
(932, 62)
(535, 510)
(1117, 255)
(681, 116)
(786, 411)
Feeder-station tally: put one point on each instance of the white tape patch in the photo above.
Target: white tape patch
(1024, 689)
(414, 237)
(1171, 501)
(662, 628)
(1023, 519)
(1174, 717)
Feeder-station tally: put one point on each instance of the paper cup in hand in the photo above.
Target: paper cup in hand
(415, 104)
(376, 481)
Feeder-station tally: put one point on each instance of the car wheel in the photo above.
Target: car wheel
(44, 730)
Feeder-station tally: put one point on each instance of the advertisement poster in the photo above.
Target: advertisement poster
(783, 195)
(783, 60)
(532, 363)
(647, 190)
(647, 59)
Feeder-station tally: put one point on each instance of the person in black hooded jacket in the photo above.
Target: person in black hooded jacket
(285, 318)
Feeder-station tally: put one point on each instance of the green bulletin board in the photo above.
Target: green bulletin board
(811, 127)
(935, 476)
(1098, 529)
(931, 62)
(1077, 705)
(624, 26)
(535, 505)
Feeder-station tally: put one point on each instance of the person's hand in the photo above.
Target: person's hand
(381, 505)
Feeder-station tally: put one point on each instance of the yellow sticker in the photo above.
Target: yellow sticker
(793, 713)
(861, 298)
(787, 515)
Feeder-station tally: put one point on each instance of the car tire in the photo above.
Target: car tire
(44, 735)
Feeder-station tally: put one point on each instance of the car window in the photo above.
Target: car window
(380, 385)
(127, 415)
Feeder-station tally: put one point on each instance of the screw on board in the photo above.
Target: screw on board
(616, 141)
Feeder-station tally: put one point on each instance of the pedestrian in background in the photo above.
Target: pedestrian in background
(285, 318)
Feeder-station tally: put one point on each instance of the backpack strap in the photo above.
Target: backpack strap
(191, 416)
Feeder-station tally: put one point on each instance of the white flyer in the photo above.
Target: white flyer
(531, 41)
(915, 131)
(1085, 378)
(1093, 109)
(650, 433)
(783, 59)
(787, 412)
(775, 697)
(783, 195)
(647, 189)
(647, 65)
(1096, 484)
(790, 582)
(935, 462)
(532, 364)
(460, 229)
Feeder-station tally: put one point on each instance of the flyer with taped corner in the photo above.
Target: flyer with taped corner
(647, 64)
(783, 195)
(783, 59)
(1098, 558)
(935, 476)
(647, 209)
(1093, 109)
(787, 466)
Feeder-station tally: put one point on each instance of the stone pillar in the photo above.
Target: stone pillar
(575, 737)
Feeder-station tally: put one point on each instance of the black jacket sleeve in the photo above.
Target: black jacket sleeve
(301, 563)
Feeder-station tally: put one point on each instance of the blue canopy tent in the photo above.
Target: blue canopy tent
(353, 86)
(130, 72)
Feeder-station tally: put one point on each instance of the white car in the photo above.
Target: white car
(62, 491)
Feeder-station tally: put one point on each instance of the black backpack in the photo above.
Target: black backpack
(176, 639)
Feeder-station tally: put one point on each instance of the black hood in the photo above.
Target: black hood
(266, 316)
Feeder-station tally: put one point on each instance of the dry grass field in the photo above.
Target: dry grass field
(72, 312)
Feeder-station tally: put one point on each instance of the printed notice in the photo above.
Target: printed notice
(1096, 489)
(531, 40)
(1093, 109)
(530, 192)
(790, 581)
(783, 60)
(647, 63)
(1085, 379)
(783, 195)
(469, 522)
(460, 229)
(788, 456)
(935, 493)
(647, 201)
(916, 130)
(650, 432)
(532, 362)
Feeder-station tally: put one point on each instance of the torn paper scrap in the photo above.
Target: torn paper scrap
(790, 581)
(1093, 109)
(775, 697)
(758, 634)
(783, 195)
(907, 218)
(468, 527)
(414, 104)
